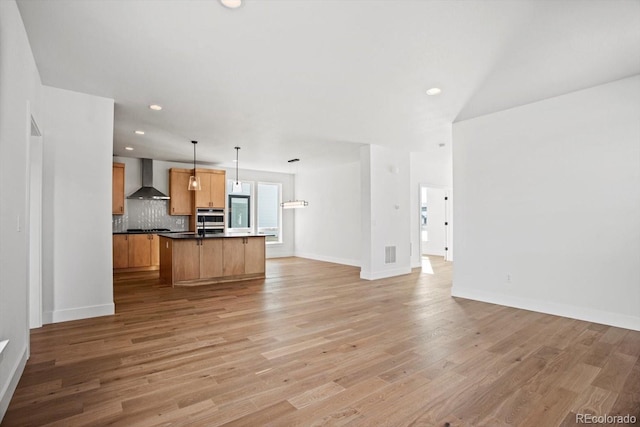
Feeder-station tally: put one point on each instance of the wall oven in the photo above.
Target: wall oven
(209, 221)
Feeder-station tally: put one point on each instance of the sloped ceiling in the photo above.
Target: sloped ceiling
(316, 79)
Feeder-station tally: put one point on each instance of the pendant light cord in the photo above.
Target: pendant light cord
(194, 157)
(237, 150)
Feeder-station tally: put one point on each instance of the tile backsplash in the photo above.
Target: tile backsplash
(148, 214)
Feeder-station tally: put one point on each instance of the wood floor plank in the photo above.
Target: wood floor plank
(312, 344)
(615, 372)
(594, 400)
(315, 395)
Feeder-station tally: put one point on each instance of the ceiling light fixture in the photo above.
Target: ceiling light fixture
(434, 91)
(155, 107)
(293, 204)
(139, 132)
(237, 185)
(194, 180)
(128, 148)
(231, 4)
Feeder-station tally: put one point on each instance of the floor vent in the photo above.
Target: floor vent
(389, 254)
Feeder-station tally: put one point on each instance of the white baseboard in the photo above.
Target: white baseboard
(80, 313)
(10, 387)
(563, 310)
(335, 260)
(383, 274)
(280, 255)
(47, 317)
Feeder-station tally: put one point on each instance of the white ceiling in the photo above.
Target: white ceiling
(317, 79)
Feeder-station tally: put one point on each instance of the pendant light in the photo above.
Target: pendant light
(237, 185)
(194, 180)
(294, 204)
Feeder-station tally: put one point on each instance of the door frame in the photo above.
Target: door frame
(34, 175)
(447, 216)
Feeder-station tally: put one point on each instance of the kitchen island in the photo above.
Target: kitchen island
(188, 259)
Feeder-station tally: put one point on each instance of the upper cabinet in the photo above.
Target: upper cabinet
(181, 198)
(118, 189)
(212, 183)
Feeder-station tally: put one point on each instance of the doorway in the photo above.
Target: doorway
(433, 220)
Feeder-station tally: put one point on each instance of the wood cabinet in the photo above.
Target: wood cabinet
(244, 255)
(196, 261)
(136, 251)
(185, 260)
(254, 255)
(117, 189)
(212, 193)
(141, 248)
(181, 199)
(154, 242)
(120, 251)
(234, 260)
(211, 258)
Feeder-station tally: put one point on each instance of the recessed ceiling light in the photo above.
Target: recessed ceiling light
(128, 148)
(231, 4)
(139, 132)
(155, 107)
(434, 91)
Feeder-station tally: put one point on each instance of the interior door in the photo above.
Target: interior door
(432, 221)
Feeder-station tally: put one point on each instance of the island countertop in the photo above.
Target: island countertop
(192, 235)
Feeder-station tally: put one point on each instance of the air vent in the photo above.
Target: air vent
(389, 254)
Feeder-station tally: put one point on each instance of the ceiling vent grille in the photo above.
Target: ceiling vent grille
(389, 254)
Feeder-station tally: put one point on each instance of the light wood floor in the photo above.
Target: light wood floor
(315, 345)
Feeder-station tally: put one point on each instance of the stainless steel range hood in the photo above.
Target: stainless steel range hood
(147, 192)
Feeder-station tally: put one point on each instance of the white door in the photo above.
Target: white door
(432, 221)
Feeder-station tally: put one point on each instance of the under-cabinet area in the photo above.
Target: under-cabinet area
(188, 260)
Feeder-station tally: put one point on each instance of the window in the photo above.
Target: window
(268, 211)
(239, 208)
(239, 212)
(257, 211)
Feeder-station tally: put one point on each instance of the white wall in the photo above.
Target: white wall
(133, 181)
(21, 96)
(78, 146)
(385, 211)
(329, 228)
(432, 167)
(548, 193)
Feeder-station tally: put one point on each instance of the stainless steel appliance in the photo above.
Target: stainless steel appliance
(147, 191)
(209, 221)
